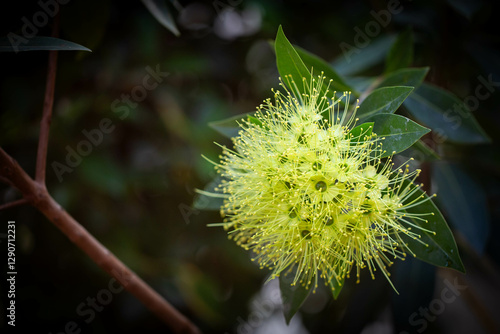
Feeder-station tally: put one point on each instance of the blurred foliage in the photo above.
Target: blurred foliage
(134, 191)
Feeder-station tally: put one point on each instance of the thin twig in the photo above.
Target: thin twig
(48, 103)
(37, 195)
(17, 177)
(13, 203)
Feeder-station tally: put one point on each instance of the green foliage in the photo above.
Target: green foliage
(293, 296)
(437, 247)
(162, 14)
(318, 65)
(405, 77)
(357, 60)
(396, 132)
(383, 100)
(401, 53)
(128, 192)
(445, 113)
(39, 43)
(292, 69)
(426, 153)
(361, 131)
(336, 287)
(464, 202)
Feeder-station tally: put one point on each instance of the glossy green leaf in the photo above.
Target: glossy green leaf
(293, 296)
(318, 65)
(162, 14)
(396, 132)
(446, 114)
(438, 248)
(336, 287)
(37, 43)
(204, 201)
(361, 132)
(401, 53)
(229, 127)
(255, 120)
(464, 203)
(357, 57)
(383, 100)
(292, 69)
(405, 77)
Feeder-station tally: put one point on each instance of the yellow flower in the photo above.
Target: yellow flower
(307, 196)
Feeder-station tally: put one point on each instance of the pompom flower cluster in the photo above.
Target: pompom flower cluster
(311, 197)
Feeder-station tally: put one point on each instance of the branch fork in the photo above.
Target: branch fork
(34, 192)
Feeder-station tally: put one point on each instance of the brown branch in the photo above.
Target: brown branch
(17, 177)
(48, 103)
(37, 195)
(13, 203)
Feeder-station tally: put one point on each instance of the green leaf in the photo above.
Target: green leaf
(229, 127)
(359, 133)
(357, 59)
(204, 201)
(405, 77)
(255, 120)
(161, 12)
(336, 287)
(319, 65)
(293, 296)
(290, 64)
(422, 152)
(398, 132)
(445, 114)
(441, 249)
(39, 43)
(464, 203)
(383, 100)
(401, 53)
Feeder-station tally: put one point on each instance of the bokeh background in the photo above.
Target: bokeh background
(134, 190)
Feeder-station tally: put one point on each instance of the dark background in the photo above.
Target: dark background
(133, 192)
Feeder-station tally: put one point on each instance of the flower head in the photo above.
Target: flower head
(306, 194)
